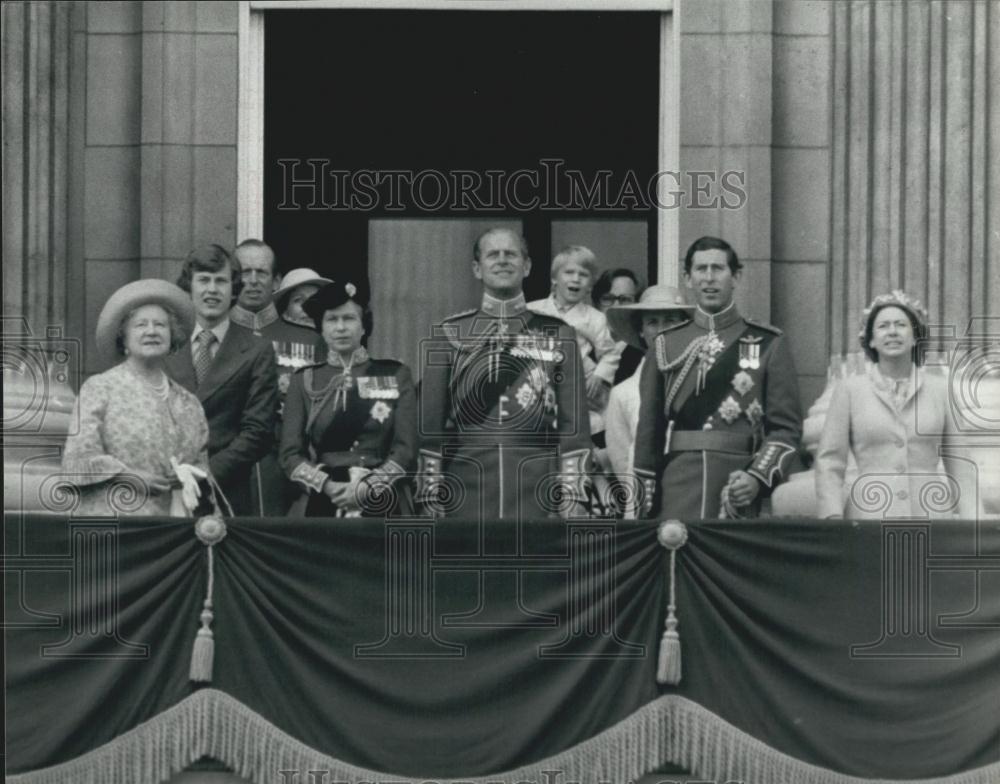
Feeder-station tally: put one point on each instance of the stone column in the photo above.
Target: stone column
(726, 53)
(36, 46)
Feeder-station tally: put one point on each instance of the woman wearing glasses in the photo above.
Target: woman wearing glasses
(614, 289)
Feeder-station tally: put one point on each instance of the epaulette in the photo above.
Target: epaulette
(461, 314)
(761, 325)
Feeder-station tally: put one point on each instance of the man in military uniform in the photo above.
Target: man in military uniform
(503, 410)
(719, 419)
(295, 347)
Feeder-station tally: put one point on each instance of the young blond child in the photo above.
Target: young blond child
(574, 270)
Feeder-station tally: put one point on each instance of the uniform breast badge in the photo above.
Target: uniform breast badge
(707, 354)
(742, 382)
(750, 352)
(380, 411)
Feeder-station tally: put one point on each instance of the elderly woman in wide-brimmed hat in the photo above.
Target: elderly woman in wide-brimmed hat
(137, 428)
(349, 436)
(893, 418)
(659, 308)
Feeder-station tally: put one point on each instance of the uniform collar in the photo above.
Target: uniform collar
(503, 308)
(254, 321)
(716, 321)
(359, 356)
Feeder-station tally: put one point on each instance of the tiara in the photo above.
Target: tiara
(896, 297)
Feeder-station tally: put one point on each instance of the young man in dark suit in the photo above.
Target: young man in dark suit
(233, 373)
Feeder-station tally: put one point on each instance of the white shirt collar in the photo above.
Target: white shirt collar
(219, 330)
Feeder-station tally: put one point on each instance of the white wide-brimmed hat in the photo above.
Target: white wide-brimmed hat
(150, 291)
(298, 277)
(624, 319)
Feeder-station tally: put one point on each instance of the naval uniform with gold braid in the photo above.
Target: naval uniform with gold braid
(718, 394)
(503, 414)
(341, 422)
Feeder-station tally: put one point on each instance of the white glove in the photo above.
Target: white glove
(188, 475)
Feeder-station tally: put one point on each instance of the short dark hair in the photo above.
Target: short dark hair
(210, 258)
(919, 332)
(712, 243)
(178, 335)
(477, 251)
(255, 243)
(607, 280)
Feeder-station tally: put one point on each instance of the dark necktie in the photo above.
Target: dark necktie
(203, 356)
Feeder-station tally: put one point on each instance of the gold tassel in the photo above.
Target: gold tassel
(669, 669)
(203, 652)
(672, 535)
(210, 530)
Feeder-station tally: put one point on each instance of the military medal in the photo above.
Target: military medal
(537, 347)
(750, 352)
(378, 388)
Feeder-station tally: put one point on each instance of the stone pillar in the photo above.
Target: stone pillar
(726, 54)
(916, 124)
(36, 46)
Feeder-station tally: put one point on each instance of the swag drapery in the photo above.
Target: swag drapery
(812, 650)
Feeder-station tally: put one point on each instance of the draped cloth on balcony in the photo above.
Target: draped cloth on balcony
(813, 651)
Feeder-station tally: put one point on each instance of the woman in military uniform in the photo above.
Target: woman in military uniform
(350, 427)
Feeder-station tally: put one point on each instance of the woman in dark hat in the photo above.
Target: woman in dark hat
(349, 435)
(140, 448)
(893, 419)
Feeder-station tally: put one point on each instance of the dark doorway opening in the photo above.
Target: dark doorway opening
(448, 91)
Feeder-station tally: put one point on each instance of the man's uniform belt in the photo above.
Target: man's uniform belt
(710, 440)
(354, 457)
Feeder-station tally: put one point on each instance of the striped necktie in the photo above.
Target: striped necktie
(203, 356)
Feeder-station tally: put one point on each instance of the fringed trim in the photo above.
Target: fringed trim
(671, 729)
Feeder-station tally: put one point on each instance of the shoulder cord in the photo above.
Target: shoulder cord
(688, 358)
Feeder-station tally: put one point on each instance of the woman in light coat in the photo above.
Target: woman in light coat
(894, 418)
